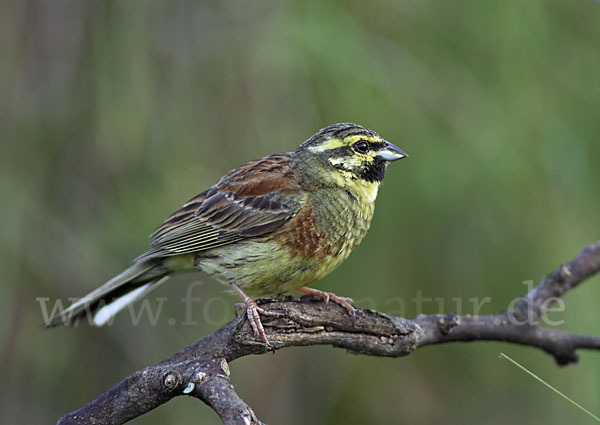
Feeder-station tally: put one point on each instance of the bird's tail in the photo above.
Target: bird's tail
(116, 294)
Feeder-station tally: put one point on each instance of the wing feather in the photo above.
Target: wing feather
(254, 199)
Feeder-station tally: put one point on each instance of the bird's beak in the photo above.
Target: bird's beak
(391, 152)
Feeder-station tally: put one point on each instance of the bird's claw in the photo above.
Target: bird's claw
(253, 312)
(345, 302)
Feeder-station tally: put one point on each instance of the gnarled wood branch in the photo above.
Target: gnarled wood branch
(201, 370)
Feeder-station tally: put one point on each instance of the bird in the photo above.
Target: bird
(269, 227)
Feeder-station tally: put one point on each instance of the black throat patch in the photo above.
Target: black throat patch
(373, 172)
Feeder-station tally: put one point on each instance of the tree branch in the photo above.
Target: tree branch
(201, 370)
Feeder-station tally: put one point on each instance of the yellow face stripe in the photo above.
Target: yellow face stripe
(362, 189)
(349, 162)
(327, 145)
(355, 138)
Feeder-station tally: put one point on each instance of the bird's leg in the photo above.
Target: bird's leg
(343, 301)
(253, 312)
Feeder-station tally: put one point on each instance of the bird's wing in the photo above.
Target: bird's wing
(251, 200)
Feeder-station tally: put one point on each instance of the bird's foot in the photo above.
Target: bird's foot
(345, 302)
(253, 312)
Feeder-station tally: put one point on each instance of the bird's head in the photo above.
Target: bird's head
(346, 155)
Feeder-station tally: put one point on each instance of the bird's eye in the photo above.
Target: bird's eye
(361, 147)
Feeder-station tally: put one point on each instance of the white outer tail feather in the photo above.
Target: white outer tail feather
(109, 311)
(126, 276)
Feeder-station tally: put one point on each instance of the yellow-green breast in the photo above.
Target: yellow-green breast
(319, 238)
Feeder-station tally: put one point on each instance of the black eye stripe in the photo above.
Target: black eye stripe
(339, 152)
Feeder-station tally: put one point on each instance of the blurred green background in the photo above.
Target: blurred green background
(115, 113)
